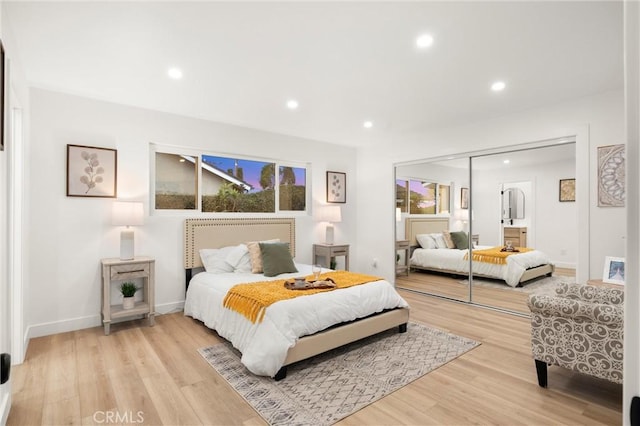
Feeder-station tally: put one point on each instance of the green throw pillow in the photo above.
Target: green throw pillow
(276, 259)
(460, 239)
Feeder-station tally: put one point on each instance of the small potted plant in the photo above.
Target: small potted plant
(128, 290)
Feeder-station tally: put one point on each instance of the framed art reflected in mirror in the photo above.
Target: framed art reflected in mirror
(567, 190)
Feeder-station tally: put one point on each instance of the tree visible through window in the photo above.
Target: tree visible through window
(422, 197)
(293, 188)
(228, 184)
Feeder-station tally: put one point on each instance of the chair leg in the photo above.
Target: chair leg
(541, 369)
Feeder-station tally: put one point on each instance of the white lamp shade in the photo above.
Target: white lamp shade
(330, 214)
(462, 215)
(128, 213)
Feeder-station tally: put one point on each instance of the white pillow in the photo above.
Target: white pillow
(426, 241)
(441, 243)
(239, 259)
(214, 260)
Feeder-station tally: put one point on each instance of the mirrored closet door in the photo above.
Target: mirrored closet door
(517, 206)
(454, 211)
(432, 211)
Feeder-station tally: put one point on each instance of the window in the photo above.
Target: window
(401, 195)
(227, 184)
(423, 197)
(293, 188)
(176, 182)
(237, 185)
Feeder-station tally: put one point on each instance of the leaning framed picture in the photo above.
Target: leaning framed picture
(336, 187)
(613, 270)
(91, 171)
(567, 190)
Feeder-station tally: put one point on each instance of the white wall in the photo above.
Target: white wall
(69, 235)
(551, 224)
(603, 115)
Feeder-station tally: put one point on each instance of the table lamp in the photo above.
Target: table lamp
(330, 214)
(127, 213)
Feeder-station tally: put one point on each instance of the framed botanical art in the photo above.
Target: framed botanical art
(567, 190)
(613, 270)
(336, 187)
(91, 171)
(464, 198)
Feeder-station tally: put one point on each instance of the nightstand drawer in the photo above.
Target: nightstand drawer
(339, 252)
(129, 271)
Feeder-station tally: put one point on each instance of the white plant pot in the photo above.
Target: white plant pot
(128, 302)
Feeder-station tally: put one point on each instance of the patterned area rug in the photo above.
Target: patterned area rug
(333, 385)
(544, 285)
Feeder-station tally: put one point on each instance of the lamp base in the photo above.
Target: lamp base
(126, 245)
(328, 239)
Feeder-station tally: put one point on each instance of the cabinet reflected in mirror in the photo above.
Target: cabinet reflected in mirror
(541, 228)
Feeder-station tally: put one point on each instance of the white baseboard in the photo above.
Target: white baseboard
(5, 406)
(567, 265)
(72, 324)
(62, 326)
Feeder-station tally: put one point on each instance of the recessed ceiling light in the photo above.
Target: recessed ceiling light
(424, 41)
(175, 73)
(368, 124)
(506, 161)
(292, 104)
(498, 86)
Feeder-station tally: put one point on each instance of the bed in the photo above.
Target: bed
(519, 267)
(291, 330)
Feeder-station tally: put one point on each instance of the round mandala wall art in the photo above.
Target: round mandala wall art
(611, 173)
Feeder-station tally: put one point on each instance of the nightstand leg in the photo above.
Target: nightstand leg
(152, 320)
(106, 328)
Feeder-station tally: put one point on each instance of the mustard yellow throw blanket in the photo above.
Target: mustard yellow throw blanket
(251, 300)
(494, 255)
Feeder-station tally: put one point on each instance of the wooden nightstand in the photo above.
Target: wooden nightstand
(403, 268)
(517, 236)
(116, 270)
(329, 251)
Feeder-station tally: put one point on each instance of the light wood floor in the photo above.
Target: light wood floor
(73, 378)
(455, 287)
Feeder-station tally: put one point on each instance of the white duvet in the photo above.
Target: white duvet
(264, 345)
(454, 260)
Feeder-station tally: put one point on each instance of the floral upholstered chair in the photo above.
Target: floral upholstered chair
(580, 328)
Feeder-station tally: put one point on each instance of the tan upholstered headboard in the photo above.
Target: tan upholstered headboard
(424, 225)
(216, 233)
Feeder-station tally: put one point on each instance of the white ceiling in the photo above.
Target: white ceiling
(345, 62)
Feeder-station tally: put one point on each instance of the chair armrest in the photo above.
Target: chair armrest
(591, 293)
(554, 306)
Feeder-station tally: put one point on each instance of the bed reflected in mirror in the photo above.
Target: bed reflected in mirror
(518, 244)
(524, 230)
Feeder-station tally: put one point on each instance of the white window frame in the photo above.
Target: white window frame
(197, 153)
(437, 196)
